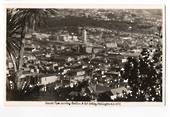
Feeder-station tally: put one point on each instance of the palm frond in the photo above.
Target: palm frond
(17, 21)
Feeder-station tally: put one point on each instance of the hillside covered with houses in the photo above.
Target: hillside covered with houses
(91, 55)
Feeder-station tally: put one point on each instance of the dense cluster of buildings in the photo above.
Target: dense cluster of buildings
(55, 62)
(66, 62)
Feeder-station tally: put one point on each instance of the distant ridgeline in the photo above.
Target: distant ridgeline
(140, 21)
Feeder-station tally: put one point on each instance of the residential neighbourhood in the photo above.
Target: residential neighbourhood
(91, 57)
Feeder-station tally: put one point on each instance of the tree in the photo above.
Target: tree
(13, 42)
(18, 23)
(144, 76)
(34, 18)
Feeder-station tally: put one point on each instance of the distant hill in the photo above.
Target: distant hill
(113, 19)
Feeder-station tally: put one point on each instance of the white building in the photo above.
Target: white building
(48, 79)
(89, 50)
(79, 73)
(111, 45)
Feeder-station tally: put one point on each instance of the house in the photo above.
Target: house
(89, 50)
(68, 38)
(48, 79)
(10, 65)
(126, 38)
(31, 57)
(99, 88)
(79, 78)
(48, 55)
(97, 49)
(65, 71)
(124, 60)
(75, 38)
(119, 90)
(63, 38)
(79, 73)
(111, 45)
(69, 59)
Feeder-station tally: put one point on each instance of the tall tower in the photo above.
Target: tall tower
(85, 36)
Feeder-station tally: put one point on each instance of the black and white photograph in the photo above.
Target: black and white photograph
(85, 54)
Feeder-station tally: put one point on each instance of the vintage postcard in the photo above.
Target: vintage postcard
(85, 55)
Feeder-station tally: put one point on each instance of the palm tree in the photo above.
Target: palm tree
(18, 23)
(13, 43)
(35, 17)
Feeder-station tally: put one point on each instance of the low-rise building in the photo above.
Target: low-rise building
(111, 45)
(89, 50)
(79, 73)
(48, 79)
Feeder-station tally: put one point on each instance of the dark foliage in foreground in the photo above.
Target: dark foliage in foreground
(144, 76)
